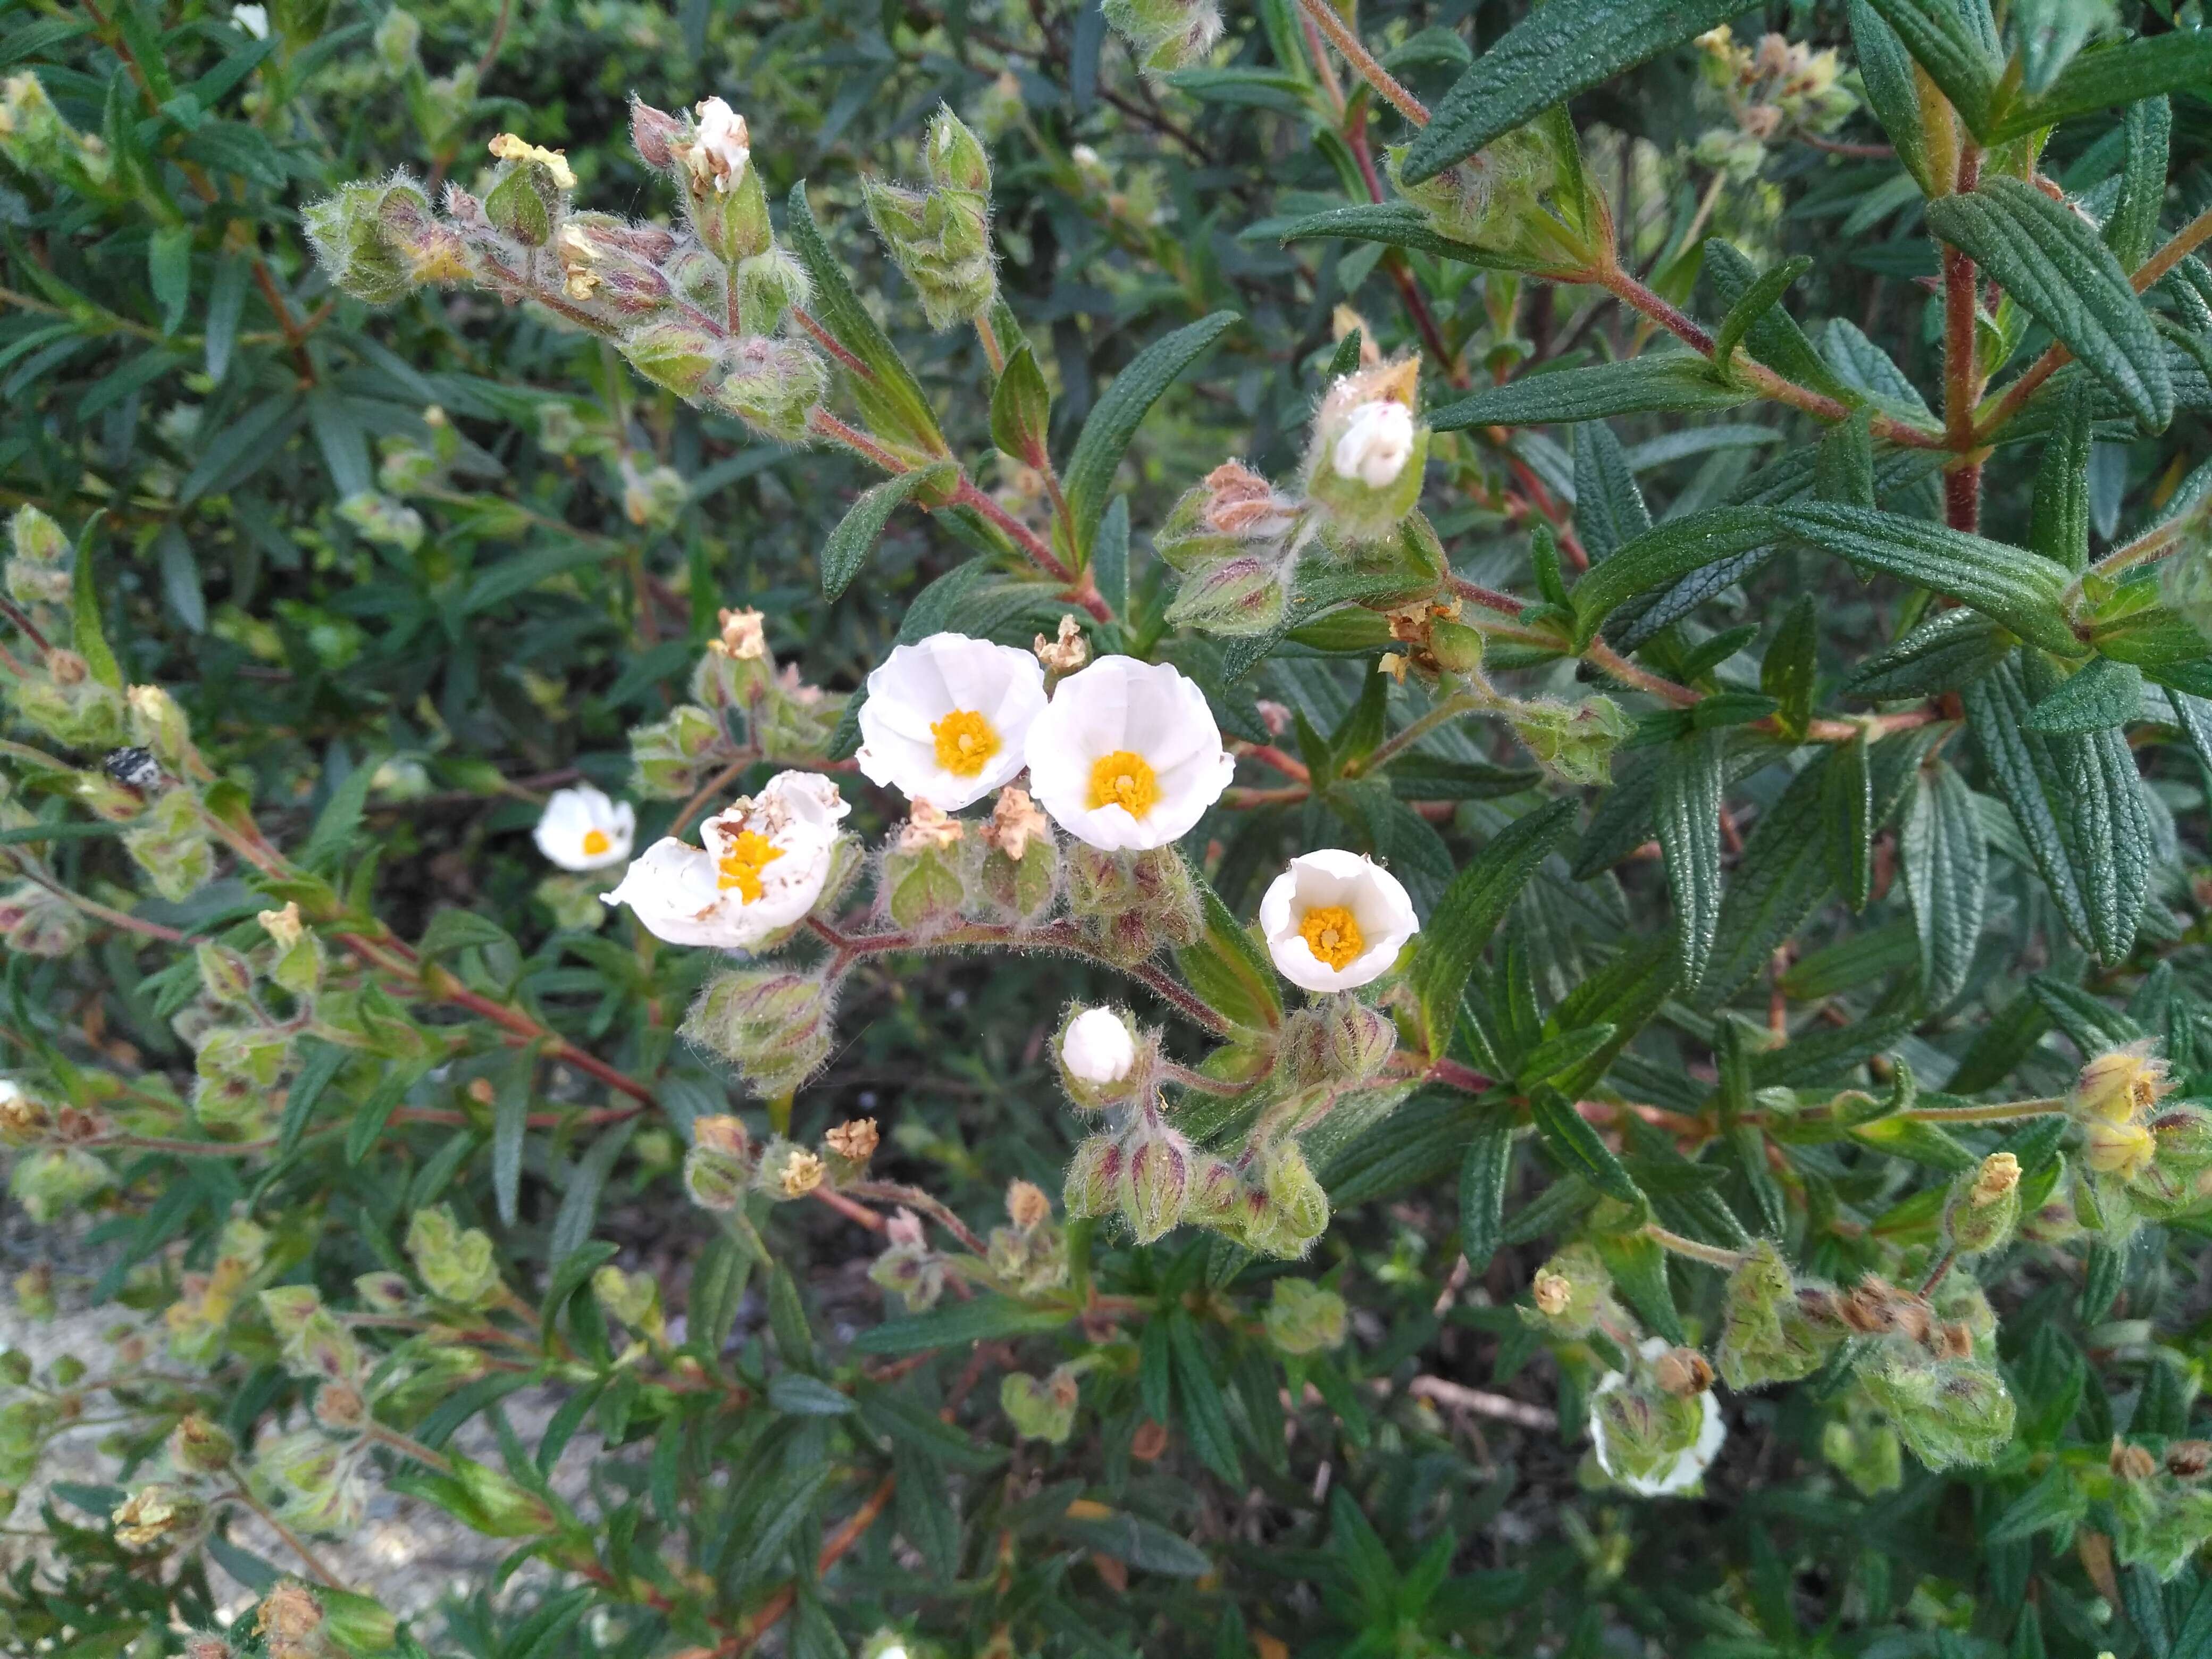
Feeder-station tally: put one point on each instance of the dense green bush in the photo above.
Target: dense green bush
(1589, 1031)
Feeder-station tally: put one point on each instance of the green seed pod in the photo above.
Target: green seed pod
(1574, 742)
(1572, 1291)
(1947, 1412)
(1234, 597)
(456, 1264)
(770, 384)
(1041, 1408)
(1766, 1334)
(718, 1171)
(51, 1182)
(1304, 1318)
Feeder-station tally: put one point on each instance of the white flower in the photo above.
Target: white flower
(1335, 919)
(1097, 1046)
(720, 148)
(254, 20)
(1127, 755)
(947, 720)
(760, 870)
(581, 829)
(1691, 1465)
(1377, 442)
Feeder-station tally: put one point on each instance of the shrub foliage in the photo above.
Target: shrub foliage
(1102, 828)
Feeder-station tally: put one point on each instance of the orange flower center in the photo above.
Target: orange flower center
(741, 866)
(1332, 934)
(1124, 780)
(597, 841)
(965, 742)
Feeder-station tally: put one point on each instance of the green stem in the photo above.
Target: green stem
(2003, 1111)
(1712, 1254)
(1362, 61)
(1463, 702)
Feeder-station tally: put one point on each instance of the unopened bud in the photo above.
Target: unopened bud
(1768, 1333)
(1098, 1054)
(2119, 1085)
(1947, 1412)
(632, 1299)
(940, 238)
(1093, 1178)
(769, 284)
(1360, 1039)
(770, 383)
(1304, 1318)
(1165, 36)
(1364, 462)
(1985, 1208)
(651, 131)
(2123, 1149)
(1234, 597)
(1027, 1207)
(1155, 1182)
(456, 1264)
(198, 1446)
(1572, 1291)
(774, 1025)
(718, 1171)
(2131, 1462)
(1041, 1408)
(1573, 741)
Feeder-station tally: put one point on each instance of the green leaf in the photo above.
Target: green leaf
(1666, 382)
(985, 1319)
(169, 270)
(84, 613)
(1782, 875)
(2150, 66)
(2058, 526)
(1394, 224)
(1563, 48)
(1021, 408)
(1609, 509)
(1792, 664)
(1204, 1415)
(1576, 1146)
(453, 930)
(2048, 259)
(1752, 298)
(2131, 229)
(1554, 1055)
(1946, 878)
(1847, 800)
(856, 534)
(891, 399)
(2103, 694)
(1230, 972)
(1951, 649)
(1665, 552)
(1114, 420)
(1843, 468)
(319, 1062)
(1637, 1267)
(1143, 1544)
(1484, 1176)
(1957, 57)
(1688, 804)
(510, 1129)
(1885, 70)
(2010, 585)
(1470, 910)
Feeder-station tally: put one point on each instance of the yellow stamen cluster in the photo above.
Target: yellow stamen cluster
(741, 866)
(965, 742)
(1125, 779)
(596, 841)
(509, 147)
(1332, 934)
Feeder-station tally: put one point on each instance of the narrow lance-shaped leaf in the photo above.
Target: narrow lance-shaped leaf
(1114, 420)
(1560, 50)
(2050, 260)
(1688, 800)
(1956, 56)
(1609, 509)
(1669, 381)
(856, 532)
(1471, 909)
(1945, 877)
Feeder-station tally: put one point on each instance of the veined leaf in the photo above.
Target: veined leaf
(2010, 585)
(1688, 802)
(891, 400)
(1564, 48)
(1951, 649)
(1886, 70)
(87, 635)
(1609, 509)
(1956, 56)
(856, 532)
(2104, 694)
(1577, 1146)
(1395, 224)
(1471, 909)
(2057, 267)
(1665, 552)
(2058, 527)
(2150, 67)
(1945, 877)
(1227, 969)
(1114, 420)
(1672, 381)
(1483, 1177)
(1756, 320)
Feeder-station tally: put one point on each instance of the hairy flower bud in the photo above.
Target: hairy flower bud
(1364, 461)
(1155, 1181)
(1304, 1318)
(456, 1264)
(1947, 1412)
(1298, 1200)
(769, 284)
(718, 1171)
(1041, 1408)
(775, 1026)
(1360, 1040)
(198, 1446)
(653, 132)
(1093, 1178)
(1572, 1291)
(1864, 1449)
(2124, 1150)
(1574, 742)
(1985, 1207)
(940, 237)
(1098, 1054)
(157, 1517)
(1165, 36)
(771, 383)
(2119, 1085)
(1767, 1333)
(379, 242)
(398, 40)
(51, 1182)
(1243, 595)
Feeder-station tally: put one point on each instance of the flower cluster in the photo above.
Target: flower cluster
(1778, 88)
(2144, 1157)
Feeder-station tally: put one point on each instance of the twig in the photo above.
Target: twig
(1362, 61)
(1457, 1395)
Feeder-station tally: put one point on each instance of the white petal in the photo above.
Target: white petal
(918, 685)
(1097, 1046)
(674, 893)
(1151, 710)
(1333, 877)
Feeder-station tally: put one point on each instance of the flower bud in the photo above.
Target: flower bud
(22, 1120)
(954, 156)
(384, 1292)
(1487, 198)
(676, 355)
(1297, 1197)
(38, 141)
(653, 132)
(1865, 1450)
(718, 1171)
(50, 1182)
(1572, 1291)
(1041, 1408)
(316, 1480)
(1234, 597)
(770, 384)
(157, 1517)
(1574, 742)
(921, 887)
(940, 237)
(379, 242)
(66, 703)
(911, 1271)
(2125, 1150)
(398, 40)
(33, 1290)
(2119, 1085)
(775, 1026)
(1360, 1040)
(1098, 1054)
(1165, 36)
(198, 1446)
(1155, 1181)
(359, 1625)
(671, 755)
(1985, 1207)
(1768, 1333)
(159, 725)
(1304, 1318)
(631, 1299)
(769, 284)
(456, 1264)
(1364, 462)
(1947, 1412)
(1093, 1178)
